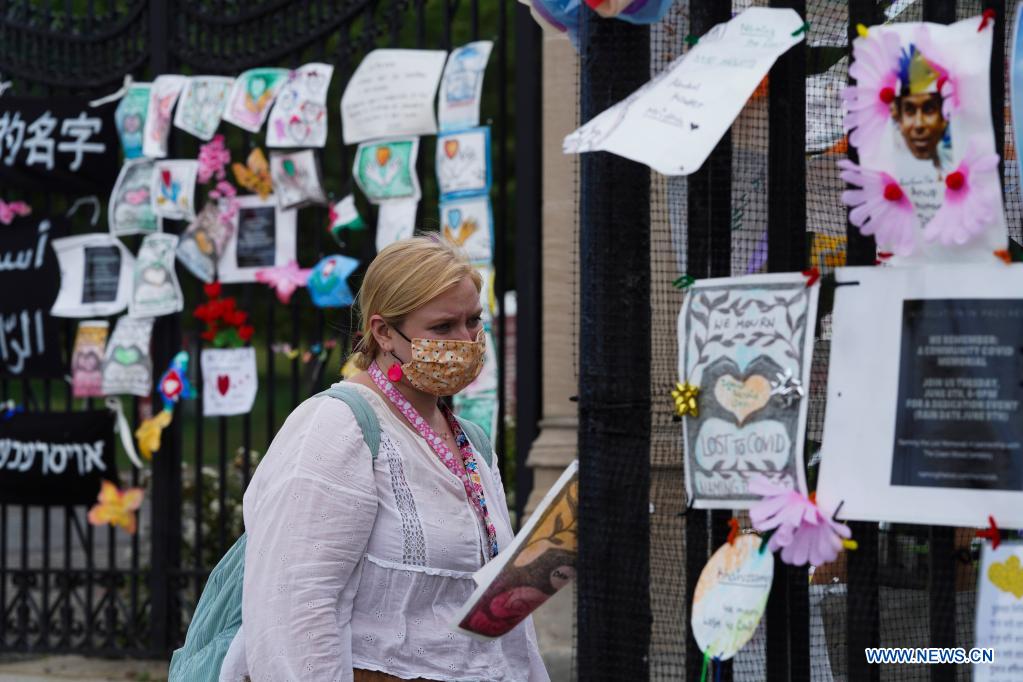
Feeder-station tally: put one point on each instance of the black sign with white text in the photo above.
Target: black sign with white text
(960, 412)
(56, 458)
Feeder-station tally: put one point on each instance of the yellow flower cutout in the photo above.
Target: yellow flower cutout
(685, 395)
(148, 433)
(116, 507)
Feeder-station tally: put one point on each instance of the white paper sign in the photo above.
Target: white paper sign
(127, 364)
(395, 221)
(458, 105)
(1000, 612)
(95, 276)
(924, 419)
(155, 289)
(229, 381)
(463, 162)
(468, 224)
(163, 93)
(299, 116)
(673, 122)
(263, 237)
(391, 93)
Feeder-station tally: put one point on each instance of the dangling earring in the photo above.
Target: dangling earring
(394, 372)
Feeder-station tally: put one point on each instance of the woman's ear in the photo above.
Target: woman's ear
(381, 333)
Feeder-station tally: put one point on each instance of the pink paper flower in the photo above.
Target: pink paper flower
(971, 203)
(880, 207)
(802, 532)
(868, 103)
(9, 211)
(213, 159)
(284, 279)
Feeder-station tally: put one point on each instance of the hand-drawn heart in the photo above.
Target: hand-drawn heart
(742, 398)
(170, 386)
(451, 148)
(126, 356)
(383, 155)
(454, 218)
(165, 175)
(1008, 576)
(223, 383)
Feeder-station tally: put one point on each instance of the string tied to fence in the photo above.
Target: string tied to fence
(986, 18)
(805, 28)
(991, 533)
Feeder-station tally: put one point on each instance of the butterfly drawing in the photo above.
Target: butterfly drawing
(255, 174)
(116, 507)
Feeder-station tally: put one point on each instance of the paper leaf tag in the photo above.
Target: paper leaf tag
(731, 596)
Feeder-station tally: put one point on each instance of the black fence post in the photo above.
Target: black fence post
(614, 406)
(528, 247)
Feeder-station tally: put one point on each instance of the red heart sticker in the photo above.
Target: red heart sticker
(223, 383)
(166, 176)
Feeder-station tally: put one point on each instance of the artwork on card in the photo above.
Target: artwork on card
(386, 169)
(534, 567)
(130, 119)
(461, 86)
(204, 240)
(299, 116)
(468, 224)
(328, 282)
(229, 381)
(87, 358)
(156, 290)
(30, 281)
(163, 93)
(56, 458)
(999, 612)
(747, 344)
(296, 179)
(463, 162)
(927, 185)
(396, 220)
(674, 121)
(731, 596)
(932, 386)
(251, 96)
(130, 210)
(95, 276)
(201, 105)
(263, 236)
(173, 189)
(127, 364)
(391, 93)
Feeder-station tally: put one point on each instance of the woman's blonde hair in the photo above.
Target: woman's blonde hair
(403, 277)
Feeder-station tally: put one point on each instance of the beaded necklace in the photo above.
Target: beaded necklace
(468, 473)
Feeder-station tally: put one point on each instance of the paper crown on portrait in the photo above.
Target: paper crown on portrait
(927, 183)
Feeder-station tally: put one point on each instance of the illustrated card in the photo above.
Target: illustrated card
(128, 365)
(251, 96)
(263, 237)
(296, 179)
(204, 240)
(229, 381)
(155, 285)
(202, 104)
(385, 170)
(130, 210)
(299, 115)
(130, 119)
(163, 93)
(463, 162)
(747, 344)
(396, 220)
(461, 86)
(173, 188)
(95, 275)
(468, 224)
(87, 358)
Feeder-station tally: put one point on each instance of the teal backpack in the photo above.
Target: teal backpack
(218, 615)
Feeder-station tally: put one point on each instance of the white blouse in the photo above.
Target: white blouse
(356, 563)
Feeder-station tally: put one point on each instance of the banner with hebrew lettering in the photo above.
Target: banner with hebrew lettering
(62, 142)
(29, 343)
(56, 458)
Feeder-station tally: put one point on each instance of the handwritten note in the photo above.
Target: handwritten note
(391, 93)
(1000, 612)
(673, 122)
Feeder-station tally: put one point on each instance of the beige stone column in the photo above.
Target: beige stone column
(555, 447)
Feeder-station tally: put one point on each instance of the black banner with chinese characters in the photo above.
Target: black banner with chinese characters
(57, 458)
(57, 144)
(29, 282)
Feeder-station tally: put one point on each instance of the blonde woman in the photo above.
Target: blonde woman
(355, 567)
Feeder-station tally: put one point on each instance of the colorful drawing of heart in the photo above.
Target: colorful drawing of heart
(126, 356)
(223, 383)
(1008, 576)
(742, 398)
(451, 148)
(454, 218)
(383, 155)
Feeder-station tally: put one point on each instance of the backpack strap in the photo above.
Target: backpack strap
(364, 414)
(478, 437)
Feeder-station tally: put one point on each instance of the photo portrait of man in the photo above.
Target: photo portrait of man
(917, 110)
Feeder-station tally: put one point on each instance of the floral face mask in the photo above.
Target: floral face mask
(441, 367)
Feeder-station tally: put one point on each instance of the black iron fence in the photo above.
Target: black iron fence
(67, 586)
